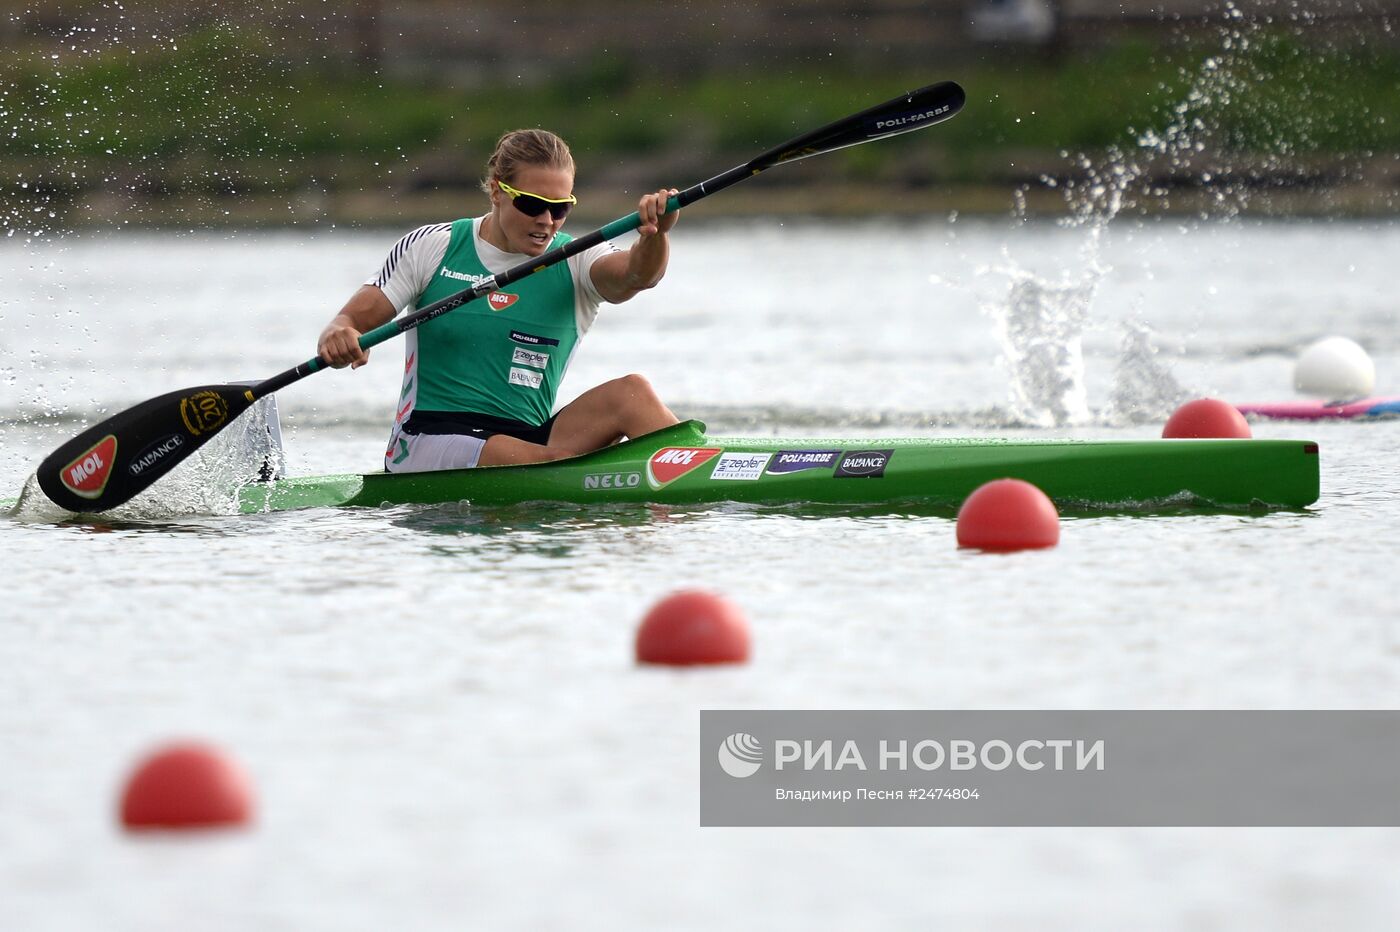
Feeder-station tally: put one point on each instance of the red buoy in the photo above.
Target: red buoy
(1008, 514)
(1207, 417)
(690, 627)
(187, 785)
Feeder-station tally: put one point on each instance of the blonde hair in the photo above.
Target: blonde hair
(526, 148)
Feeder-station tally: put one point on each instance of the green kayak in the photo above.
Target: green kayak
(682, 465)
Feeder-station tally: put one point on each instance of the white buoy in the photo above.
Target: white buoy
(1336, 369)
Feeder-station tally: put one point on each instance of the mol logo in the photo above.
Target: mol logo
(87, 475)
(499, 300)
(670, 463)
(741, 755)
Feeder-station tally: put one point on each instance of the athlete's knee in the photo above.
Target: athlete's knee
(636, 387)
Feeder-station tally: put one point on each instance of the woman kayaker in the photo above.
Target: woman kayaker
(479, 382)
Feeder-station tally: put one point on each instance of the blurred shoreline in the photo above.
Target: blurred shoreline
(210, 121)
(390, 209)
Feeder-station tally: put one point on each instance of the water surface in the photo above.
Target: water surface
(439, 706)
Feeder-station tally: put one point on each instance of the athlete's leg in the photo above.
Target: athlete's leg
(505, 450)
(603, 415)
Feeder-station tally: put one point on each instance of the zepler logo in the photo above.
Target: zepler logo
(741, 755)
(864, 464)
(499, 300)
(524, 357)
(670, 463)
(740, 466)
(87, 475)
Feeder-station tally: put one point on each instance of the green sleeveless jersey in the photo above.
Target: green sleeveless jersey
(502, 355)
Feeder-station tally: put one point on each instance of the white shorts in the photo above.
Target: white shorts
(431, 452)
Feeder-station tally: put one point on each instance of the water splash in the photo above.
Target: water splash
(1040, 326)
(1040, 323)
(34, 507)
(1144, 389)
(208, 483)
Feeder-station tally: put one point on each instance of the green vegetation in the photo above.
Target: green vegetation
(220, 110)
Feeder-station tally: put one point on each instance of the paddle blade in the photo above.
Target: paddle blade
(111, 462)
(904, 114)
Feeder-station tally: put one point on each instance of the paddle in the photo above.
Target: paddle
(111, 462)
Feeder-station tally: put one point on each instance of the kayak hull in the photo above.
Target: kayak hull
(682, 465)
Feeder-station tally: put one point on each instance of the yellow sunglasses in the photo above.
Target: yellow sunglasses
(532, 205)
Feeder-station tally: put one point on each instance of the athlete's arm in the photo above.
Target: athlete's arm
(622, 275)
(399, 281)
(339, 345)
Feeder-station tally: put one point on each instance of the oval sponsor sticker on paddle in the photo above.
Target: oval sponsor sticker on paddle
(155, 453)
